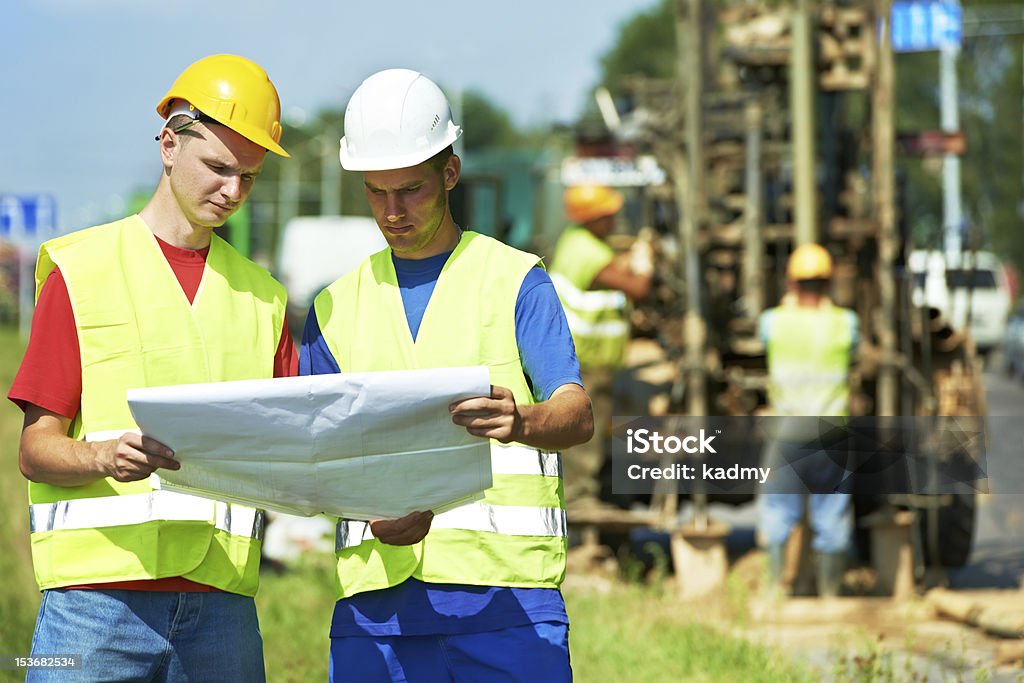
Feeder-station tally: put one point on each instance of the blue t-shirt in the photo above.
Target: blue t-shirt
(549, 361)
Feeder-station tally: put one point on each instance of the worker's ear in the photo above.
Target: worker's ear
(170, 143)
(452, 172)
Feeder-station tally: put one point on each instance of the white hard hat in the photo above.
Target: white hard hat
(395, 119)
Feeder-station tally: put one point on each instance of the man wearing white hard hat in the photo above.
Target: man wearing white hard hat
(144, 584)
(478, 598)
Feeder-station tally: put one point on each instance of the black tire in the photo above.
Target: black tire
(947, 533)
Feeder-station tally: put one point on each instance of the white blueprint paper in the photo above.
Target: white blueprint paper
(372, 445)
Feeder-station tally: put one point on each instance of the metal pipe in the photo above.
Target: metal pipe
(802, 82)
(753, 245)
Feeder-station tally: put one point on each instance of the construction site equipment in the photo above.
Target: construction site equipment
(770, 143)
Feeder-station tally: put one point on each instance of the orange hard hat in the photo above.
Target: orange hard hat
(584, 203)
(809, 262)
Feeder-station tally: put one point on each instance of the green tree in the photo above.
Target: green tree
(990, 96)
(486, 125)
(646, 46)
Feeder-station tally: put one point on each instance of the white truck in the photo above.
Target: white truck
(972, 293)
(314, 251)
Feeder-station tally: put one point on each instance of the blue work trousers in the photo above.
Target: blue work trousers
(523, 654)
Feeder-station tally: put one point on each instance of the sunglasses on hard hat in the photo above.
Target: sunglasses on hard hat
(197, 117)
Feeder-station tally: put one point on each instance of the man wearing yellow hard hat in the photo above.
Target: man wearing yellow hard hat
(146, 584)
(595, 287)
(477, 598)
(809, 344)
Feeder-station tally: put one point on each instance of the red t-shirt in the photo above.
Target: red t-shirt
(50, 375)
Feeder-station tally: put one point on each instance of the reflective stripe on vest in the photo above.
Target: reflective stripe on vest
(96, 513)
(516, 459)
(608, 329)
(503, 519)
(510, 520)
(587, 300)
(136, 328)
(597, 318)
(808, 360)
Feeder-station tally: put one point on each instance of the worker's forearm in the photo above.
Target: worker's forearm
(618, 276)
(562, 421)
(637, 287)
(56, 459)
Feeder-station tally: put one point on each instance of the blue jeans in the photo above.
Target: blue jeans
(525, 654)
(831, 518)
(799, 470)
(149, 636)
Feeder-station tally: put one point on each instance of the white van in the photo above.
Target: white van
(945, 287)
(314, 251)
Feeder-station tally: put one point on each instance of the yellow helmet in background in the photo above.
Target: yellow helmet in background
(233, 91)
(584, 203)
(809, 262)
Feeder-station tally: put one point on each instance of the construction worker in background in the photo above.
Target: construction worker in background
(147, 584)
(595, 287)
(810, 345)
(478, 599)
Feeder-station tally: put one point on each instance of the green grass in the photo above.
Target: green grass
(295, 618)
(632, 633)
(19, 598)
(640, 633)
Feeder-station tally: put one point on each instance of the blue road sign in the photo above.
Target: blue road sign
(921, 25)
(27, 218)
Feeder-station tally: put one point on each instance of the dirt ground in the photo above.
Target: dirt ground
(854, 637)
(899, 641)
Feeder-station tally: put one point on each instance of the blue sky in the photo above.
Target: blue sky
(80, 78)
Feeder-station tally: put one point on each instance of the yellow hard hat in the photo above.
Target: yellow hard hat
(584, 203)
(809, 262)
(235, 92)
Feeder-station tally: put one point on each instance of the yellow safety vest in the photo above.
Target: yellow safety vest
(597, 317)
(809, 353)
(516, 535)
(136, 328)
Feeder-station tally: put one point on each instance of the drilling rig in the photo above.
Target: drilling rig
(777, 130)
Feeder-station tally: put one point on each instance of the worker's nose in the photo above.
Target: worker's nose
(393, 209)
(232, 188)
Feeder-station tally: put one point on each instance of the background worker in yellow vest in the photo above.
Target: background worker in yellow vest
(810, 345)
(595, 287)
(478, 599)
(145, 584)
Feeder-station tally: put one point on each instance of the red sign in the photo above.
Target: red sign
(932, 143)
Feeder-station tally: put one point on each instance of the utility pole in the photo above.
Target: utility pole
(330, 175)
(884, 190)
(753, 245)
(288, 193)
(688, 177)
(690, 189)
(952, 200)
